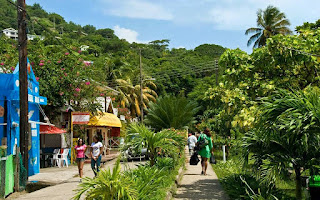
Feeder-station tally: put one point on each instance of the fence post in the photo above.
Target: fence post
(224, 153)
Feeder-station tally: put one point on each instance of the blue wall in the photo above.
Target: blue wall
(9, 93)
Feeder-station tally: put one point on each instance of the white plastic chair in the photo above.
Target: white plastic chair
(55, 158)
(64, 157)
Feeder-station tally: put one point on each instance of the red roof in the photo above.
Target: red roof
(46, 129)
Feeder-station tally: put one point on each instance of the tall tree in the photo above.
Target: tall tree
(269, 22)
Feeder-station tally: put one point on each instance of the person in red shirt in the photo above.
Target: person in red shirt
(80, 151)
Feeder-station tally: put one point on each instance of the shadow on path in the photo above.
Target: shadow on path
(201, 189)
(198, 187)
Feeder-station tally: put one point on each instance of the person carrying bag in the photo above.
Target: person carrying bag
(205, 147)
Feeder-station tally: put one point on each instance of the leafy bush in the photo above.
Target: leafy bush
(151, 182)
(241, 183)
(165, 142)
(146, 182)
(108, 186)
(286, 134)
(165, 163)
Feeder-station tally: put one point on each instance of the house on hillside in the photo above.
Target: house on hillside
(84, 47)
(13, 34)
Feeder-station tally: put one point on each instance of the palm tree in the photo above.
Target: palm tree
(270, 22)
(130, 95)
(287, 135)
(171, 112)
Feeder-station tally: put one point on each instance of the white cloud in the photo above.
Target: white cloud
(127, 34)
(222, 15)
(236, 15)
(231, 18)
(140, 9)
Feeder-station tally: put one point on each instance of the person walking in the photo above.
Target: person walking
(80, 152)
(192, 140)
(96, 151)
(206, 149)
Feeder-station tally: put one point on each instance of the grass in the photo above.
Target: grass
(230, 173)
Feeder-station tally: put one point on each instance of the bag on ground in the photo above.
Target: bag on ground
(194, 160)
(212, 159)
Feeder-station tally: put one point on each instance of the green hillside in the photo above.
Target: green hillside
(176, 71)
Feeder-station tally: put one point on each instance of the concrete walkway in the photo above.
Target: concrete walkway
(62, 180)
(196, 186)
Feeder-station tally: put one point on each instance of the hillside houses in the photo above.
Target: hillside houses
(13, 34)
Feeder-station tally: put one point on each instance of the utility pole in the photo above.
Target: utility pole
(54, 23)
(141, 92)
(33, 27)
(23, 78)
(217, 72)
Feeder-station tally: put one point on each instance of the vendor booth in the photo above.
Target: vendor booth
(52, 137)
(9, 123)
(107, 127)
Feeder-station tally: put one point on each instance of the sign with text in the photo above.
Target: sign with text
(80, 117)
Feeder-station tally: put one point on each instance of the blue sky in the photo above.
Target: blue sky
(186, 23)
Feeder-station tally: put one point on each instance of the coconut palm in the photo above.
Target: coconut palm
(171, 112)
(130, 95)
(270, 22)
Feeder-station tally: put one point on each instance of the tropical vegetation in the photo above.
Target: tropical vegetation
(171, 112)
(152, 180)
(263, 106)
(166, 142)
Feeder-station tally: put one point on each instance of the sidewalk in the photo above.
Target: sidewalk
(196, 186)
(62, 180)
(55, 175)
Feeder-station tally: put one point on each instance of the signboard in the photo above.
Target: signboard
(80, 117)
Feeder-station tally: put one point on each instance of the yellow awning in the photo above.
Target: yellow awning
(105, 119)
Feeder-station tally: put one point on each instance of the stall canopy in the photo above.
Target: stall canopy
(105, 119)
(47, 129)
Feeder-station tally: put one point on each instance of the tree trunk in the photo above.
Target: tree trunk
(152, 160)
(298, 183)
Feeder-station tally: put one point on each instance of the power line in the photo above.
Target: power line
(301, 52)
(199, 68)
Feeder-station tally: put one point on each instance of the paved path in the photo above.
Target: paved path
(65, 180)
(196, 186)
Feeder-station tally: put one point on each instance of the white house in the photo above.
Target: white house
(84, 47)
(13, 34)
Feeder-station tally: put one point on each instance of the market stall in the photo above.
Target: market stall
(51, 138)
(107, 127)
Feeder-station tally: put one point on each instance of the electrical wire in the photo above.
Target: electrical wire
(301, 52)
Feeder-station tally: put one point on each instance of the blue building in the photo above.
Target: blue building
(9, 117)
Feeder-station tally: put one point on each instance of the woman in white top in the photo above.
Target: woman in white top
(96, 151)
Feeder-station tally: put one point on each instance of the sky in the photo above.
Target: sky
(186, 23)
